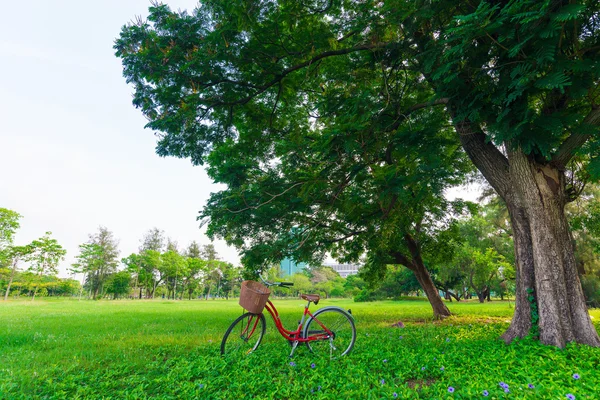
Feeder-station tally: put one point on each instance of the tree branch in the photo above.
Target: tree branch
(403, 115)
(349, 235)
(401, 259)
(486, 157)
(279, 77)
(273, 197)
(567, 149)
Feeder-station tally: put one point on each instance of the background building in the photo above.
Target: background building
(344, 269)
(289, 267)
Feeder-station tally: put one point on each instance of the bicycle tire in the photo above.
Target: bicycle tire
(244, 335)
(340, 323)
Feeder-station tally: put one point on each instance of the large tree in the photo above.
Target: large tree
(516, 80)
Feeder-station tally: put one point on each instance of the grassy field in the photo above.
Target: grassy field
(66, 349)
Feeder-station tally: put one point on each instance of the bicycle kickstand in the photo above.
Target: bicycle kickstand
(294, 345)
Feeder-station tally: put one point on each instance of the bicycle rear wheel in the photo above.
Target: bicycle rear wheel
(244, 335)
(343, 333)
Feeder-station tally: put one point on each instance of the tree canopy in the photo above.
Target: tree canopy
(241, 86)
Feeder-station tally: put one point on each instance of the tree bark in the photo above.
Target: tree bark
(520, 325)
(545, 262)
(563, 315)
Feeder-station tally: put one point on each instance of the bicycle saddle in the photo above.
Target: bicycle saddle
(311, 297)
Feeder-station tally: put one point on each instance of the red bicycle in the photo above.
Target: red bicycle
(330, 331)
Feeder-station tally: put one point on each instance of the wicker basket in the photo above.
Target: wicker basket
(254, 296)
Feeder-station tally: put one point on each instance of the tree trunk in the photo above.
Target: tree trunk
(563, 315)
(545, 263)
(416, 265)
(439, 307)
(481, 296)
(10, 281)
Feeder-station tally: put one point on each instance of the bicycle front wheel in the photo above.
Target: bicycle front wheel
(343, 333)
(244, 335)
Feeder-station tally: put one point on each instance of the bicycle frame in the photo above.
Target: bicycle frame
(294, 336)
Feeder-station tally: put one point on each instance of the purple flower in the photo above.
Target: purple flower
(313, 365)
(401, 337)
(442, 368)
(447, 339)
(506, 390)
(570, 396)
(576, 376)
(292, 364)
(383, 381)
(422, 368)
(486, 393)
(503, 385)
(434, 358)
(530, 386)
(200, 385)
(450, 389)
(395, 394)
(385, 361)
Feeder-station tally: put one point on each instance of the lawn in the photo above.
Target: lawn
(68, 349)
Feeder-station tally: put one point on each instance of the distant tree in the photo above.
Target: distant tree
(230, 278)
(133, 264)
(301, 283)
(118, 284)
(98, 259)
(9, 256)
(354, 284)
(194, 274)
(150, 275)
(9, 223)
(44, 257)
(89, 260)
(584, 218)
(213, 273)
(172, 245)
(154, 239)
(172, 269)
(482, 269)
(193, 250)
(209, 253)
(15, 254)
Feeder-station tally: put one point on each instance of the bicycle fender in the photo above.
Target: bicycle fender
(335, 308)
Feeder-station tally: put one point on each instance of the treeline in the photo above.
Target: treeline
(473, 259)
(160, 268)
(42, 256)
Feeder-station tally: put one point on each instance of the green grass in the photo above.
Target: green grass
(67, 349)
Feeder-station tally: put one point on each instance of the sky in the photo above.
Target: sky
(74, 154)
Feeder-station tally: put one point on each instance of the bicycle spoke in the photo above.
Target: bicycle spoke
(243, 336)
(342, 337)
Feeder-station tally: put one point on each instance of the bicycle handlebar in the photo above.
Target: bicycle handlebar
(281, 284)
